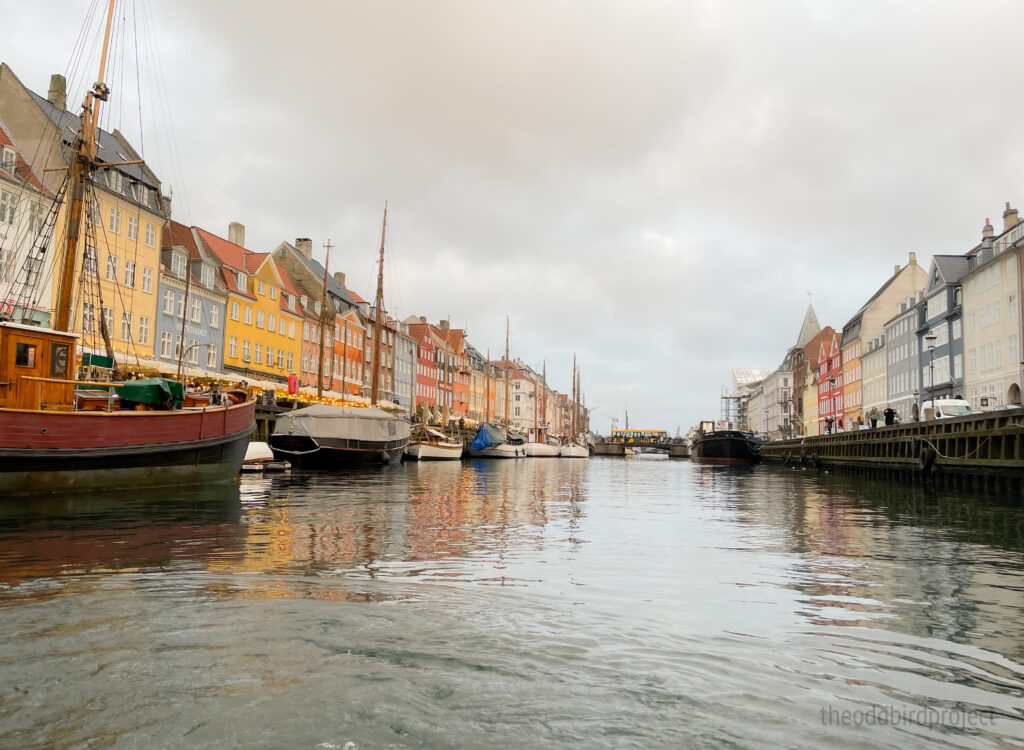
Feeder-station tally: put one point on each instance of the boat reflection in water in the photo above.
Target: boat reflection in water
(57, 536)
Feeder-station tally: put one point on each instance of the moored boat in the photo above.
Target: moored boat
(58, 430)
(259, 457)
(493, 442)
(322, 436)
(574, 450)
(542, 450)
(428, 444)
(724, 446)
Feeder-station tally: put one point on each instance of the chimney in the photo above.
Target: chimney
(340, 278)
(443, 325)
(913, 259)
(987, 230)
(236, 233)
(305, 246)
(423, 319)
(896, 269)
(58, 93)
(1009, 217)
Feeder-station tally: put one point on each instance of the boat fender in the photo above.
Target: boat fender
(927, 458)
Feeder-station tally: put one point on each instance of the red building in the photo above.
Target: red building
(830, 383)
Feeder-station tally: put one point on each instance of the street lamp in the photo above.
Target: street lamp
(931, 339)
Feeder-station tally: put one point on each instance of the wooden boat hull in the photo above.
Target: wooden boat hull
(725, 448)
(434, 451)
(574, 451)
(542, 450)
(59, 451)
(505, 450)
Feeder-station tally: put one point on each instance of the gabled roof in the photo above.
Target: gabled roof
(230, 256)
(108, 148)
(317, 269)
(22, 170)
(952, 268)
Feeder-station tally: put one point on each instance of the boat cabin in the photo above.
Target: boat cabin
(31, 360)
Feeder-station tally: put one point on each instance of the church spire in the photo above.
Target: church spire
(810, 327)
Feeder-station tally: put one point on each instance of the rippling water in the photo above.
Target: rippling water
(604, 603)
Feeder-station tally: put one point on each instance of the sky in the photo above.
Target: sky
(659, 188)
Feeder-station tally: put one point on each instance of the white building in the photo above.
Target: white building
(992, 317)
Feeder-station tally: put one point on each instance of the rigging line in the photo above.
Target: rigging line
(138, 80)
(164, 97)
(117, 289)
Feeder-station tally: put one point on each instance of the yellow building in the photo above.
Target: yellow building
(121, 249)
(263, 326)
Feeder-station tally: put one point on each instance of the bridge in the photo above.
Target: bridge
(639, 440)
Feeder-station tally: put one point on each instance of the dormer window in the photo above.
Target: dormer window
(115, 181)
(291, 302)
(303, 300)
(8, 159)
(240, 279)
(178, 265)
(206, 276)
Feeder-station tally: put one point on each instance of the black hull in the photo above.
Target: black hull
(201, 461)
(305, 453)
(725, 448)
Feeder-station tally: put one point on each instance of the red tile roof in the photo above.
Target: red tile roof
(22, 170)
(359, 300)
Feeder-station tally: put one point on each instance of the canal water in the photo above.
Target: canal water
(619, 603)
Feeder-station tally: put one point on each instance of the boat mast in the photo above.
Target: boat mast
(323, 314)
(487, 396)
(572, 413)
(506, 374)
(444, 398)
(81, 170)
(380, 312)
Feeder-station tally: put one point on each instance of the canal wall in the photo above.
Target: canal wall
(609, 449)
(984, 451)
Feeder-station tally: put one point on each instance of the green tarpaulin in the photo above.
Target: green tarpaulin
(153, 391)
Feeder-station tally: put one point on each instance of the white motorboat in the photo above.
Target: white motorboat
(431, 445)
(259, 457)
(573, 450)
(542, 450)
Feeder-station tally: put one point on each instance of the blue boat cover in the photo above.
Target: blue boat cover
(488, 436)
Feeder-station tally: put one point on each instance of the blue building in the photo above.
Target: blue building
(405, 366)
(940, 329)
(201, 349)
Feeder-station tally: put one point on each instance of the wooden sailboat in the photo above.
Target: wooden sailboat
(143, 436)
(322, 436)
(427, 443)
(574, 447)
(539, 447)
(494, 441)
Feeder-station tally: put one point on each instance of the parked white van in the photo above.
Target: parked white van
(948, 407)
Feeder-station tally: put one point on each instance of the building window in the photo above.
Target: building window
(147, 280)
(111, 267)
(234, 311)
(248, 315)
(166, 341)
(143, 329)
(108, 319)
(133, 227)
(214, 317)
(232, 347)
(88, 317)
(246, 350)
(129, 273)
(114, 220)
(126, 326)
(259, 319)
(280, 358)
(240, 279)
(281, 327)
(178, 265)
(206, 276)
(270, 356)
(271, 322)
(273, 292)
(8, 206)
(261, 288)
(291, 329)
(211, 356)
(259, 352)
(150, 235)
(291, 362)
(181, 306)
(197, 311)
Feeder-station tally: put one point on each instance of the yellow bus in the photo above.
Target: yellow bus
(639, 436)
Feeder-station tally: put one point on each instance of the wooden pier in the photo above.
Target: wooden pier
(981, 451)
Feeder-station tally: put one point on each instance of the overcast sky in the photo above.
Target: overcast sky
(655, 186)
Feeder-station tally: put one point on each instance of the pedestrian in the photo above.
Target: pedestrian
(873, 416)
(839, 426)
(828, 425)
(889, 414)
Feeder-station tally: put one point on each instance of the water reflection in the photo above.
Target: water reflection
(129, 531)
